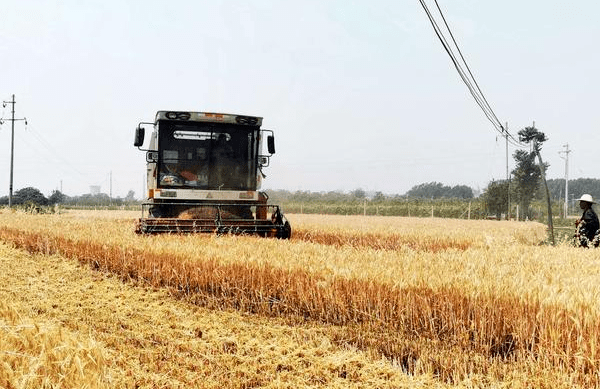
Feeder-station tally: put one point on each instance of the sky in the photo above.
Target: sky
(360, 94)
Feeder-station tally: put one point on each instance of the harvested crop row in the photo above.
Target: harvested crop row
(70, 327)
(375, 315)
(38, 354)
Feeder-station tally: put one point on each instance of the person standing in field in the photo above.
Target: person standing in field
(587, 226)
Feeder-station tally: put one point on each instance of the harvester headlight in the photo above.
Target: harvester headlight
(178, 115)
(247, 120)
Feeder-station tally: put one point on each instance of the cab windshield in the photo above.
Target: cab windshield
(206, 156)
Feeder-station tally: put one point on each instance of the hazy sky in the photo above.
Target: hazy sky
(360, 94)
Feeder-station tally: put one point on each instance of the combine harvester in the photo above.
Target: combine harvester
(204, 174)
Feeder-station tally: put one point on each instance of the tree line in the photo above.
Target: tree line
(528, 184)
(524, 188)
(31, 195)
(431, 190)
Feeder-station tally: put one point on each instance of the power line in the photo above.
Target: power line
(56, 157)
(457, 65)
(467, 65)
(466, 75)
(474, 92)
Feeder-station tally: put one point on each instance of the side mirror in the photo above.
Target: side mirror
(139, 136)
(271, 144)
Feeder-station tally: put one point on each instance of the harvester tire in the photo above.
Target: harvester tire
(284, 232)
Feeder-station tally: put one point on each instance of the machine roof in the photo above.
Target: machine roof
(209, 117)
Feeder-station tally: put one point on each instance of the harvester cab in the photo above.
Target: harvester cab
(204, 172)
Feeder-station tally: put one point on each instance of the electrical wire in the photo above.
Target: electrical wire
(467, 76)
(457, 65)
(2, 115)
(45, 151)
(50, 155)
(487, 105)
(497, 122)
(54, 155)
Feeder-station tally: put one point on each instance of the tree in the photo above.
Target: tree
(359, 193)
(379, 197)
(532, 134)
(436, 190)
(130, 196)
(460, 192)
(496, 197)
(577, 187)
(29, 194)
(56, 197)
(89, 199)
(526, 178)
(429, 190)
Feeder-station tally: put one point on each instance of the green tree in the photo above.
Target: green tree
(29, 194)
(359, 193)
(496, 198)
(429, 190)
(436, 190)
(460, 192)
(535, 136)
(577, 187)
(526, 180)
(130, 196)
(379, 197)
(56, 197)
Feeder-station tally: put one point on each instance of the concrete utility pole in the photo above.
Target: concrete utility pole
(12, 146)
(566, 158)
(536, 149)
(507, 174)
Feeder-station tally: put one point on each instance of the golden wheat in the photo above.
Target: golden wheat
(455, 311)
(39, 354)
(139, 337)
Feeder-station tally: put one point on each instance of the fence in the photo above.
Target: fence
(415, 208)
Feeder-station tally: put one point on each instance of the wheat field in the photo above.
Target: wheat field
(412, 302)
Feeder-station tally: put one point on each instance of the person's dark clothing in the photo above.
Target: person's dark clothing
(588, 226)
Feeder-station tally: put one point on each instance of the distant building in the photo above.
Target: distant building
(95, 189)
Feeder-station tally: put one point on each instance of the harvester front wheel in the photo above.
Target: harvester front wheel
(284, 232)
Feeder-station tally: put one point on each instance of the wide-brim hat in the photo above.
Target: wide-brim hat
(587, 198)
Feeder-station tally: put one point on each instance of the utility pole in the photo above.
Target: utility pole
(12, 146)
(507, 174)
(566, 158)
(536, 148)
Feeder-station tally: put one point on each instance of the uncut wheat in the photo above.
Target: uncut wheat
(498, 299)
